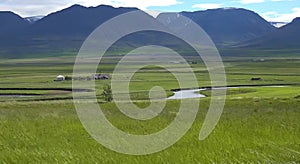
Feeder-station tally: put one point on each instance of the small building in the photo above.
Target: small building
(262, 60)
(256, 79)
(60, 78)
(101, 76)
(104, 76)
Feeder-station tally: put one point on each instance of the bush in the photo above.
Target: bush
(107, 93)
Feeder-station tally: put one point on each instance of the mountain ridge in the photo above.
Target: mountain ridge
(11, 22)
(65, 30)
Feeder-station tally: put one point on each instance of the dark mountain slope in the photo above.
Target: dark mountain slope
(75, 20)
(225, 26)
(11, 24)
(286, 37)
(64, 30)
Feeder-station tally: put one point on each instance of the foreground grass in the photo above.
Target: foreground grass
(251, 130)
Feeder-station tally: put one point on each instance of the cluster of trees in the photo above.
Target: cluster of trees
(107, 93)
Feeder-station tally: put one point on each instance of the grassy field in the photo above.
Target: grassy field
(258, 125)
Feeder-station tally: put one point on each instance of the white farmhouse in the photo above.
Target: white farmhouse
(60, 78)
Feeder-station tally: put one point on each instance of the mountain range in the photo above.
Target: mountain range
(64, 31)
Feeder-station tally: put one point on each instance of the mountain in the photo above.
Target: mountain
(11, 24)
(225, 26)
(58, 32)
(75, 20)
(286, 37)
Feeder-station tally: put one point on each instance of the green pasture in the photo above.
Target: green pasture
(260, 123)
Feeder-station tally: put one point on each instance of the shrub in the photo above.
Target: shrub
(107, 93)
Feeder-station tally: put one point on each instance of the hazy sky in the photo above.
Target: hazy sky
(272, 10)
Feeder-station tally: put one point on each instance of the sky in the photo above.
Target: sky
(271, 10)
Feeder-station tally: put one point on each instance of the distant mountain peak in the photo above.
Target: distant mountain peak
(296, 20)
(75, 20)
(76, 6)
(9, 14)
(231, 8)
(73, 7)
(11, 23)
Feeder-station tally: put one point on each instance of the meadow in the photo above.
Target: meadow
(258, 125)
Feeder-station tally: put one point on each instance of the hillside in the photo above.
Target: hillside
(224, 26)
(76, 20)
(286, 37)
(62, 31)
(11, 24)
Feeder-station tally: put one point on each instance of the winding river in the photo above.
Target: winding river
(181, 94)
(186, 94)
(194, 93)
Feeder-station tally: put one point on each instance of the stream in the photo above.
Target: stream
(194, 93)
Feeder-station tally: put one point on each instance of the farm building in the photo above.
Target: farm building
(60, 78)
(101, 76)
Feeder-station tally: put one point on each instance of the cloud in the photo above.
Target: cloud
(282, 0)
(207, 5)
(31, 10)
(44, 7)
(273, 16)
(251, 1)
(260, 1)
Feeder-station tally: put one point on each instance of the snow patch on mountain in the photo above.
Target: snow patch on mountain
(33, 19)
(278, 24)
